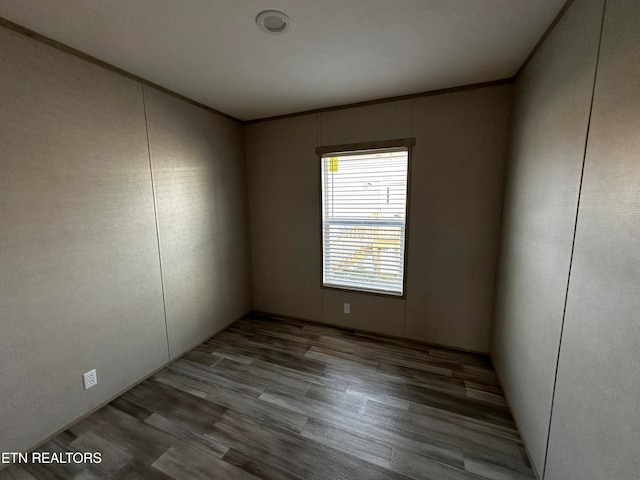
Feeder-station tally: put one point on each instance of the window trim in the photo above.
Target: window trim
(322, 151)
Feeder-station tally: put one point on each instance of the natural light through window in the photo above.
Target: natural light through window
(364, 207)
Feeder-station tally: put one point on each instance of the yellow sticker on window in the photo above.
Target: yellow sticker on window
(333, 164)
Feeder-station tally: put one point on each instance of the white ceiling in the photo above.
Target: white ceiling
(336, 52)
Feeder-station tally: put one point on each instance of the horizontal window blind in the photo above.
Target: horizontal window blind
(364, 205)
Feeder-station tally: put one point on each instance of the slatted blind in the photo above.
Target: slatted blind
(364, 205)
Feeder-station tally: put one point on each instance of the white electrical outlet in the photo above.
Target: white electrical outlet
(347, 308)
(89, 379)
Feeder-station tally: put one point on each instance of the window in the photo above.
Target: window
(364, 213)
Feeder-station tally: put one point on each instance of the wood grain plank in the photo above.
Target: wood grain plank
(284, 400)
(186, 462)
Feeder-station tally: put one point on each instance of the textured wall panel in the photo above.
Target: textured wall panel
(548, 138)
(456, 191)
(284, 196)
(383, 121)
(201, 192)
(372, 313)
(456, 201)
(595, 430)
(80, 279)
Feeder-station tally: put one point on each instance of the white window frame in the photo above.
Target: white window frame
(360, 148)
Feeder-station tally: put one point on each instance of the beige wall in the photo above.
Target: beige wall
(549, 131)
(201, 192)
(595, 427)
(284, 205)
(80, 282)
(456, 205)
(457, 174)
(582, 423)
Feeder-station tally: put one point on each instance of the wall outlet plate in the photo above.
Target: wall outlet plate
(347, 308)
(89, 379)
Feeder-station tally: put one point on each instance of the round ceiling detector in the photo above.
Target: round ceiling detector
(272, 21)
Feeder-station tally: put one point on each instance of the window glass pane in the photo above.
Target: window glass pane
(364, 197)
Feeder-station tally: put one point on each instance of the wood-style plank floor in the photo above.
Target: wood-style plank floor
(283, 399)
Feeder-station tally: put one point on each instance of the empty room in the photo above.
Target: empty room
(357, 239)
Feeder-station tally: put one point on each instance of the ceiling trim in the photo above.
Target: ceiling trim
(442, 91)
(77, 53)
(544, 36)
